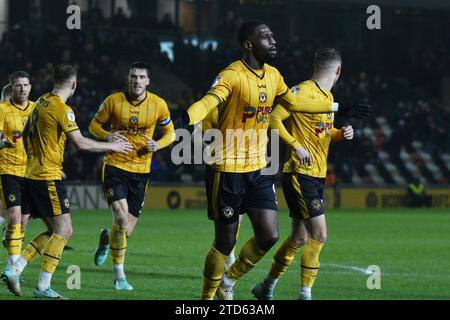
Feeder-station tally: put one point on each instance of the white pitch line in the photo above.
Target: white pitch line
(346, 267)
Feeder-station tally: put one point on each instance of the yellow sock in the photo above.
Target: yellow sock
(283, 257)
(117, 244)
(310, 262)
(52, 253)
(248, 257)
(212, 273)
(36, 246)
(13, 239)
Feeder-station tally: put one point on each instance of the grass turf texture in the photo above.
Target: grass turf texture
(166, 253)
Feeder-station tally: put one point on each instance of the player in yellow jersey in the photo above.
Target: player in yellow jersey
(133, 115)
(5, 95)
(45, 135)
(14, 113)
(308, 137)
(244, 94)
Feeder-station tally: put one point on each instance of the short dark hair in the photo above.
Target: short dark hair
(326, 56)
(16, 75)
(63, 72)
(140, 65)
(247, 30)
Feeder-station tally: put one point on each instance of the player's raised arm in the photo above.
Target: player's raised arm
(217, 94)
(295, 101)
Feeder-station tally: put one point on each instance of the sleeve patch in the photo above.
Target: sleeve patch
(70, 115)
(216, 82)
(295, 89)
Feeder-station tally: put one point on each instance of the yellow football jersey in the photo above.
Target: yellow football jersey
(13, 117)
(246, 97)
(313, 132)
(136, 119)
(49, 123)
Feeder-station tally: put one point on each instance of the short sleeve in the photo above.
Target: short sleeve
(223, 85)
(66, 119)
(282, 88)
(104, 110)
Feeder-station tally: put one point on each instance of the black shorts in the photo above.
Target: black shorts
(304, 195)
(12, 192)
(230, 194)
(119, 184)
(46, 198)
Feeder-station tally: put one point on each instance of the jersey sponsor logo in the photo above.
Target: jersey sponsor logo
(262, 97)
(262, 114)
(227, 212)
(70, 115)
(249, 112)
(322, 127)
(216, 82)
(17, 135)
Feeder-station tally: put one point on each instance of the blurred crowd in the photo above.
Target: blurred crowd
(407, 96)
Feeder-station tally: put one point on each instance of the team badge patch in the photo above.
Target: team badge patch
(70, 115)
(316, 204)
(216, 82)
(134, 120)
(227, 212)
(110, 193)
(262, 97)
(66, 203)
(295, 89)
(12, 198)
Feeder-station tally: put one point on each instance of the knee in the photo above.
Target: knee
(120, 217)
(300, 240)
(320, 236)
(268, 241)
(66, 231)
(224, 246)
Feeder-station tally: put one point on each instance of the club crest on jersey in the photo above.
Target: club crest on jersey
(216, 82)
(66, 203)
(134, 121)
(262, 97)
(227, 212)
(12, 198)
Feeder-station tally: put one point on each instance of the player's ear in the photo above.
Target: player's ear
(338, 70)
(247, 44)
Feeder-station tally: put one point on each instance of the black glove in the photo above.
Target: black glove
(354, 110)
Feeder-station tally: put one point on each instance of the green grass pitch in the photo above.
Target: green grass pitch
(165, 256)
